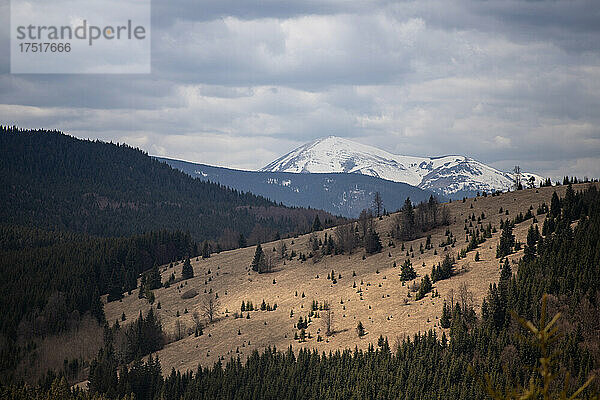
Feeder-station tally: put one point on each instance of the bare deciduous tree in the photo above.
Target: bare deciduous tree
(346, 237)
(465, 297)
(210, 307)
(378, 203)
(328, 319)
(450, 300)
(365, 222)
(281, 249)
(197, 320)
(179, 330)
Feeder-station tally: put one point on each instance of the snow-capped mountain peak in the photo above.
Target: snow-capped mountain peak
(446, 175)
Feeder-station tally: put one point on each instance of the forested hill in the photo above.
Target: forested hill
(52, 180)
(562, 260)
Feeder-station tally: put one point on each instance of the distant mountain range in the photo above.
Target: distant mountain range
(450, 176)
(337, 193)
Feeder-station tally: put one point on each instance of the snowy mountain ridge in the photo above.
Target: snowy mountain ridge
(447, 175)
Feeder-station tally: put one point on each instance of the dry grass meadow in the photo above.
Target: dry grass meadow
(382, 307)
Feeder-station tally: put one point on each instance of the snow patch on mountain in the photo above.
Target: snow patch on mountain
(447, 175)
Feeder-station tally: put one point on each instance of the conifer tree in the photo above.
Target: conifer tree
(317, 224)
(242, 241)
(153, 279)
(407, 229)
(206, 250)
(445, 319)
(507, 240)
(424, 288)
(187, 271)
(360, 329)
(259, 263)
(372, 242)
(532, 238)
(407, 272)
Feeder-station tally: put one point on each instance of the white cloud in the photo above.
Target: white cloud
(504, 82)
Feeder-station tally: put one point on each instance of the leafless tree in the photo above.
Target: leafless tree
(414, 287)
(197, 320)
(450, 300)
(313, 243)
(365, 222)
(346, 237)
(328, 319)
(210, 307)
(179, 330)
(269, 262)
(378, 203)
(444, 215)
(465, 297)
(282, 249)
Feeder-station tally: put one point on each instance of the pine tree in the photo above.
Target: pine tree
(206, 250)
(317, 224)
(507, 240)
(242, 241)
(360, 329)
(407, 272)
(424, 288)
(259, 263)
(187, 271)
(372, 242)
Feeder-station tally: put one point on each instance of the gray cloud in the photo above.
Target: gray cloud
(239, 83)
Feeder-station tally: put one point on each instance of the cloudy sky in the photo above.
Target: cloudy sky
(239, 83)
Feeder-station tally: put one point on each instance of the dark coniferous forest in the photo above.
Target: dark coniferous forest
(80, 219)
(563, 262)
(54, 181)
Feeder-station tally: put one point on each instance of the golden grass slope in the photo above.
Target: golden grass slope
(382, 308)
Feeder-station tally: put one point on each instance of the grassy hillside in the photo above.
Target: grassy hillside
(379, 299)
(80, 219)
(411, 346)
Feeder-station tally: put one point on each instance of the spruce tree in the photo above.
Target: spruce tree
(259, 262)
(532, 238)
(407, 272)
(407, 230)
(507, 240)
(153, 279)
(242, 241)
(424, 288)
(360, 329)
(445, 319)
(206, 250)
(372, 242)
(317, 224)
(187, 271)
